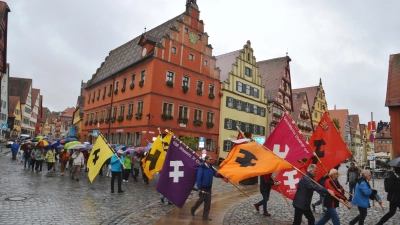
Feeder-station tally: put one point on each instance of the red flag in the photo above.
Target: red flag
(287, 142)
(289, 179)
(328, 145)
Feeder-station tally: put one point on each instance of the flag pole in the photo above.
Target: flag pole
(112, 149)
(215, 169)
(312, 180)
(271, 176)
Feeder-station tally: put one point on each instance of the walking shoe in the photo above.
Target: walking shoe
(112, 191)
(192, 211)
(266, 214)
(77, 179)
(123, 181)
(162, 200)
(313, 207)
(120, 191)
(170, 203)
(62, 174)
(206, 218)
(257, 207)
(126, 181)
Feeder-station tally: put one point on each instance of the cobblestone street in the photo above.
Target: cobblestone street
(55, 199)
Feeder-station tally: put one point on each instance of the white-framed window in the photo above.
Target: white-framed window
(97, 116)
(108, 113)
(102, 115)
(255, 130)
(230, 102)
(183, 112)
(185, 81)
(124, 83)
(262, 112)
(133, 78)
(247, 127)
(173, 50)
(239, 87)
(255, 109)
(114, 111)
(206, 62)
(247, 71)
(140, 107)
(200, 85)
(170, 76)
(229, 124)
(247, 107)
(238, 105)
(191, 57)
(130, 109)
(142, 75)
(116, 85)
(248, 87)
(210, 145)
(198, 114)
(168, 108)
(105, 90)
(238, 123)
(211, 89)
(122, 110)
(255, 92)
(210, 117)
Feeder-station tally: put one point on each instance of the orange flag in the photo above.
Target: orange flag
(328, 145)
(250, 160)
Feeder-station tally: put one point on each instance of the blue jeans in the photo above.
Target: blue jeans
(27, 160)
(263, 202)
(329, 214)
(351, 188)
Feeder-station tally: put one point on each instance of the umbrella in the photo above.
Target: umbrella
(395, 162)
(121, 147)
(79, 146)
(55, 144)
(69, 144)
(38, 138)
(132, 150)
(88, 147)
(42, 143)
(60, 147)
(70, 140)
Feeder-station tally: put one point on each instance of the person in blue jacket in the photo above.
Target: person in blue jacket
(204, 181)
(116, 170)
(14, 149)
(362, 194)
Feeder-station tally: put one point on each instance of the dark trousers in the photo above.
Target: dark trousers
(145, 178)
(39, 164)
(351, 189)
(206, 198)
(33, 162)
(126, 174)
(392, 210)
(361, 217)
(14, 156)
(27, 160)
(263, 202)
(50, 166)
(298, 214)
(135, 173)
(118, 175)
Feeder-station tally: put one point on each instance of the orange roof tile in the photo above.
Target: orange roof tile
(12, 105)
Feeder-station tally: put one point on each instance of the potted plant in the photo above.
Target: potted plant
(92, 100)
(123, 89)
(170, 117)
(101, 121)
(185, 120)
(277, 115)
(104, 96)
(164, 116)
(211, 96)
(170, 83)
(120, 118)
(86, 123)
(138, 116)
(98, 98)
(107, 120)
(185, 89)
(199, 92)
(113, 119)
(197, 122)
(141, 83)
(132, 86)
(90, 122)
(95, 122)
(109, 94)
(210, 124)
(116, 91)
(180, 120)
(129, 116)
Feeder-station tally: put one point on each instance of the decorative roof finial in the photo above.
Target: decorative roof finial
(287, 52)
(320, 81)
(145, 29)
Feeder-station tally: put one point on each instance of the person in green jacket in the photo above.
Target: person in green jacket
(128, 167)
(50, 159)
(39, 154)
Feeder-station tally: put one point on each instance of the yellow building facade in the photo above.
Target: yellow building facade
(18, 119)
(243, 102)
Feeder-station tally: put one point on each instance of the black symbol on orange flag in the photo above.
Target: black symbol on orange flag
(246, 160)
(96, 157)
(153, 158)
(320, 152)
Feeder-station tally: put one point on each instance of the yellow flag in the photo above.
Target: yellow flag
(156, 156)
(99, 154)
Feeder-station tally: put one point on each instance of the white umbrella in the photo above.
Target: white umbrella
(81, 146)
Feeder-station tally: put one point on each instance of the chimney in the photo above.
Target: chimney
(334, 107)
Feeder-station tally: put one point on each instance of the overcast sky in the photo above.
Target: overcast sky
(59, 43)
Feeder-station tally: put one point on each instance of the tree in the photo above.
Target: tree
(190, 141)
(336, 122)
(47, 111)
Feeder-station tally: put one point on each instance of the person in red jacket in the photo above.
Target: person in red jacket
(330, 202)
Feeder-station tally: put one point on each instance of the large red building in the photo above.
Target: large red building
(165, 78)
(393, 101)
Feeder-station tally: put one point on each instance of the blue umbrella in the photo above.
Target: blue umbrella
(60, 147)
(55, 144)
(121, 147)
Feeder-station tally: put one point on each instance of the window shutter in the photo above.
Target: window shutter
(234, 125)
(243, 127)
(258, 94)
(224, 148)
(235, 103)
(251, 91)
(237, 85)
(251, 108)
(226, 123)
(227, 101)
(244, 88)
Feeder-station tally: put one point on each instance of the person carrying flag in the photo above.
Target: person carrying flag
(204, 180)
(266, 182)
(116, 170)
(331, 203)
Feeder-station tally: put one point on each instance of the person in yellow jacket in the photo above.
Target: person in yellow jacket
(50, 159)
(128, 167)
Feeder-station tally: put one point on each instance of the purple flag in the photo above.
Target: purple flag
(179, 172)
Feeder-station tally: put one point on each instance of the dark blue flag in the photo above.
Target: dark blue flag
(178, 175)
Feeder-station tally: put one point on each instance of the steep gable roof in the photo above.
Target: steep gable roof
(225, 62)
(393, 84)
(35, 95)
(68, 112)
(12, 105)
(298, 98)
(311, 93)
(272, 72)
(51, 117)
(362, 130)
(19, 87)
(341, 115)
(129, 53)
